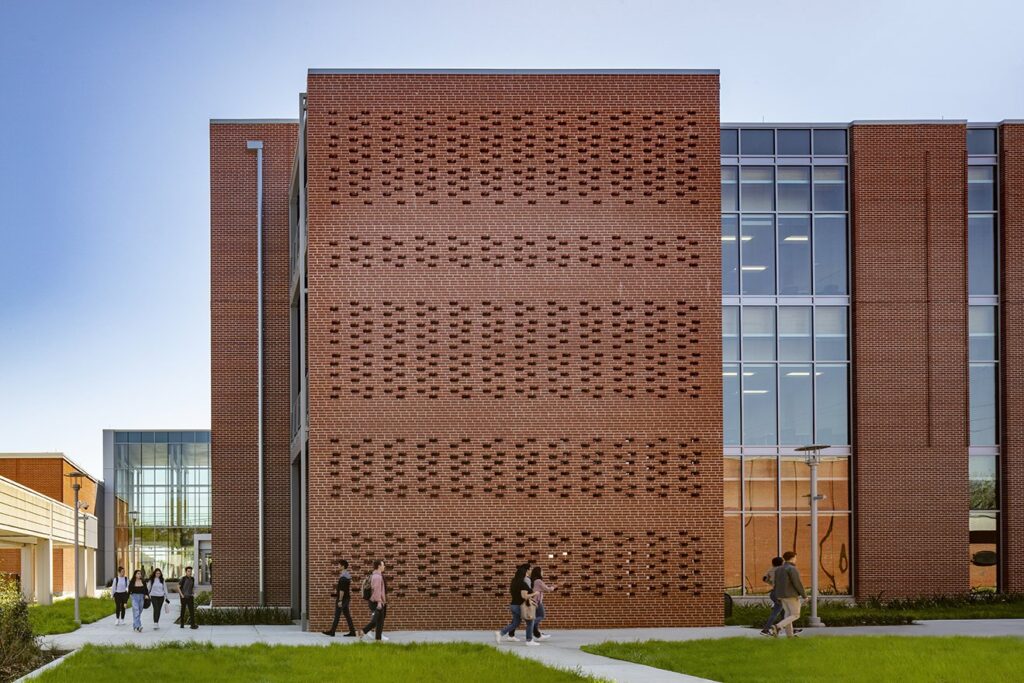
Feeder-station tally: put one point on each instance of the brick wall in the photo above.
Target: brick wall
(910, 359)
(233, 359)
(1012, 353)
(515, 344)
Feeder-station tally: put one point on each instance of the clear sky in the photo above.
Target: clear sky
(104, 168)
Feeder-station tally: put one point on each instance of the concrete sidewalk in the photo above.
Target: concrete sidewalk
(562, 650)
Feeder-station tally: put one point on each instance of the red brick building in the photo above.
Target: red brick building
(484, 323)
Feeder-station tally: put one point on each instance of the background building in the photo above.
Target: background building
(163, 477)
(37, 524)
(504, 297)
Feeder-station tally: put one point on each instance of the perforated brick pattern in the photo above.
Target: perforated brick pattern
(514, 343)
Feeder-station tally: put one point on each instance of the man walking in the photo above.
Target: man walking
(342, 598)
(769, 578)
(378, 601)
(186, 593)
(790, 591)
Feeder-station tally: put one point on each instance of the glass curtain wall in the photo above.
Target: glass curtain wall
(983, 353)
(786, 359)
(163, 477)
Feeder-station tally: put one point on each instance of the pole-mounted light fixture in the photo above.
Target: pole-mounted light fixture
(812, 455)
(75, 476)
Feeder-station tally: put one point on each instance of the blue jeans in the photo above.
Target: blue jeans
(539, 618)
(138, 599)
(517, 618)
(776, 612)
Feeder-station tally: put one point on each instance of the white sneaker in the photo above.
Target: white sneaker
(156, 627)
(511, 639)
(384, 638)
(532, 643)
(497, 637)
(545, 636)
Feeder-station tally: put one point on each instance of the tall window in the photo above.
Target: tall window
(786, 360)
(983, 354)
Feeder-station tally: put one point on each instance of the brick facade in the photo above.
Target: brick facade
(233, 360)
(47, 476)
(1012, 353)
(910, 390)
(515, 344)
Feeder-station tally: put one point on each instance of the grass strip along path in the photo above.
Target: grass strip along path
(978, 606)
(362, 662)
(60, 616)
(853, 659)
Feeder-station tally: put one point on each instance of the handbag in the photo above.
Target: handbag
(146, 603)
(529, 610)
(167, 607)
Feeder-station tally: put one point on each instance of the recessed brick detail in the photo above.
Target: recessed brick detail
(515, 344)
(1011, 166)
(233, 439)
(909, 227)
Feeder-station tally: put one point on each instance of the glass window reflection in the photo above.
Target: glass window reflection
(794, 142)
(981, 255)
(830, 400)
(794, 251)
(981, 188)
(757, 254)
(730, 333)
(830, 188)
(730, 188)
(730, 142)
(796, 404)
(757, 142)
(794, 188)
(830, 142)
(730, 255)
(982, 332)
(983, 482)
(758, 329)
(758, 405)
(731, 404)
(981, 141)
(830, 334)
(757, 188)
(830, 255)
(794, 333)
(983, 405)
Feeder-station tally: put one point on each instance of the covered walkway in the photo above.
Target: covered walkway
(37, 525)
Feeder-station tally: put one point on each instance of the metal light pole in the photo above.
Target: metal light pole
(133, 518)
(76, 486)
(812, 454)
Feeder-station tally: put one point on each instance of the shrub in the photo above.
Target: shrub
(19, 649)
(203, 598)
(243, 616)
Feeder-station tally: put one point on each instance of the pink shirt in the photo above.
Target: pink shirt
(540, 588)
(377, 591)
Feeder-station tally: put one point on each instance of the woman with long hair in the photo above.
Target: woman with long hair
(520, 607)
(540, 588)
(157, 595)
(139, 591)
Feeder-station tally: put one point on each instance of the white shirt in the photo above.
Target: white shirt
(156, 589)
(120, 584)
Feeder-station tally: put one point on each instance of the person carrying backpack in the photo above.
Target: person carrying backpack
(342, 598)
(375, 593)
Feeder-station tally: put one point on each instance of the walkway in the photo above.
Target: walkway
(562, 650)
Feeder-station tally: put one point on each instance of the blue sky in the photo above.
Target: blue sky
(104, 169)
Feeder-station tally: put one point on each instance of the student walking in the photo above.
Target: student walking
(521, 607)
(378, 602)
(342, 598)
(790, 591)
(539, 587)
(186, 593)
(157, 595)
(769, 578)
(119, 589)
(139, 592)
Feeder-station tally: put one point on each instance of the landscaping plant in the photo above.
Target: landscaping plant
(19, 650)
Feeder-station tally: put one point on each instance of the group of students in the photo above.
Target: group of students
(144, 593)
(787, 595)
(526, 591)
(374, 591)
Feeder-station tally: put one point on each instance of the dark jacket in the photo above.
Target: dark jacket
(187, 586)
(343, 591)
(143, 589)
(787, 582)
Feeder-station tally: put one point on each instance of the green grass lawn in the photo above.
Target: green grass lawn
(363, 662)
(847, 659)
(60, 616)
(896, 612)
